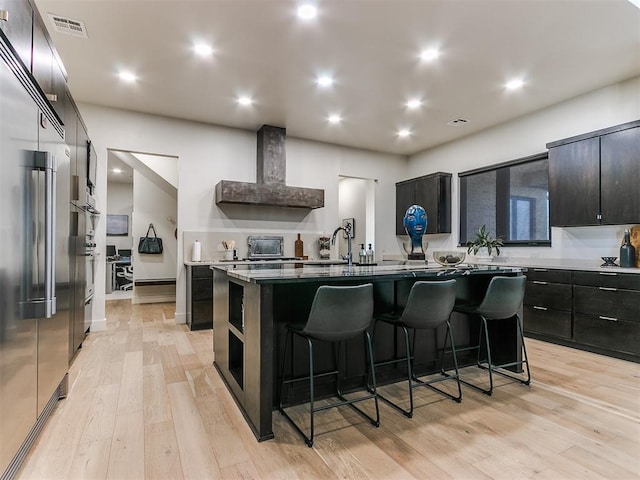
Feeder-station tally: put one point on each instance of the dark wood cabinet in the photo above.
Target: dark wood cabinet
(592, 310)
(574, 183)
(77, 139)
(71, 139)
(620, 177)
(431, 192)
(594, 178)
(17, 27)
(199, 297)
(58, 89)
(42, 64)
(547, 303)
(604, 333)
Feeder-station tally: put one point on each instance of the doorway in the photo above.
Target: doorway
(141, 192)
(356, 200)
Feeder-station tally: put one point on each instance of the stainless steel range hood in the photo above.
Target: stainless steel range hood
(270, 188)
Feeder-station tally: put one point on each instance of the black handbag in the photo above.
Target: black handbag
(148, 244)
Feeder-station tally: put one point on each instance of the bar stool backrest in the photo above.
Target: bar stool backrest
(429, 304)
(503, 298)
(339, 313)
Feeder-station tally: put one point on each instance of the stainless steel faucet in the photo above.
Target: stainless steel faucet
(347, 230)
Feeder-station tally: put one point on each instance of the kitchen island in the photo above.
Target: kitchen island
(253, 303)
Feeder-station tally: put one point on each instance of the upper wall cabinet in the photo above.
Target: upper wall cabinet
(15, 22)
(620, 177)
(594, 178)
(47, 70)
(431, 192)
(26, 32)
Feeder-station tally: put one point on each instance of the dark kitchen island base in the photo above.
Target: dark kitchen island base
(252, 305)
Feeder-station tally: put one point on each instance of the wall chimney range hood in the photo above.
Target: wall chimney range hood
(270, 188)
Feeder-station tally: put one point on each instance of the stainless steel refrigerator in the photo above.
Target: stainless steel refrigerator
(34, 260)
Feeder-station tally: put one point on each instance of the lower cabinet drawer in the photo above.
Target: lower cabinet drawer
(620, 335)
(554, 296)
(546, 321)
(606, 301)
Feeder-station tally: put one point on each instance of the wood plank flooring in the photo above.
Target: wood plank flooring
(146, 402)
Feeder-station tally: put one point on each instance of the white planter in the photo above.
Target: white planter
(484, 256)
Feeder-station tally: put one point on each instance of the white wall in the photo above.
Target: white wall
(153, 205)
(529, 135)
(207, 154)
(120, 202)
(352, 194)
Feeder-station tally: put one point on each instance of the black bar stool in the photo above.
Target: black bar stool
(337, 314)
(502, 300)
(428, 307)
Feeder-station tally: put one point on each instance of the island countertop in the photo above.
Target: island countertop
(288, 272)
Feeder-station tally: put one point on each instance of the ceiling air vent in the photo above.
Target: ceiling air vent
(457, 122)
(68, 26)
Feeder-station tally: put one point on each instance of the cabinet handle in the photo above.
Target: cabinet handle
(609, 274)
(539, 269)
(608, 289)
(4, 15)
(539, 283)
(544, 309)
(610, 319)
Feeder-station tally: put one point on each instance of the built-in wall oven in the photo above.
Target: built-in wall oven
(91, 264)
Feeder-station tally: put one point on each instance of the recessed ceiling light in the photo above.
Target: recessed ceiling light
(203, 49)
(514, 84)
(245, 101)
(414, 103)
(127, 76)
(116, 170)
(307, 11)
(335, 118)
(429, 54)
(325, 81)
(404, 133)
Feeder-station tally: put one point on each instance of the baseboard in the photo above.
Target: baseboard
(98, 325)
(180, 317)
(166, 298)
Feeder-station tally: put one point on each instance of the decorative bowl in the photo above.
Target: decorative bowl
(609, 262)
(449, 258)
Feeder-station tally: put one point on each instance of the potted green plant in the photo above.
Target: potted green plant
(483, 242)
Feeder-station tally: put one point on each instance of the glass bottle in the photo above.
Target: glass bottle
(362, 255)
(370, 255)
(627, 252)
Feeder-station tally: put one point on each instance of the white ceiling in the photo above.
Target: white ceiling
(562, 48)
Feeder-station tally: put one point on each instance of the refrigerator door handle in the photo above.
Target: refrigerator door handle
(50, 233)
(46, 307)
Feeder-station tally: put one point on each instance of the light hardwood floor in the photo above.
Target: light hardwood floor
(146, 402)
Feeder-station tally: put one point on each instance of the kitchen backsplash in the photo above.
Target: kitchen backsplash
(210, 241)
(575, 243)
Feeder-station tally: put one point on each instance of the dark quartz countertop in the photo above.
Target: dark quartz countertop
(292, 272)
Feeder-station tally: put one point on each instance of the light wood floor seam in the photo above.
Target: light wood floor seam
(146, 402)
(631, 415)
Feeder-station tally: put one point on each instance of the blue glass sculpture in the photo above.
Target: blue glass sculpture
(415, 224)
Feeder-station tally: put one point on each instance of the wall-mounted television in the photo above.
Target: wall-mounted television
(117, 225)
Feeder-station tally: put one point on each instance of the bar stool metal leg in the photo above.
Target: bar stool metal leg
(414, 382)
(344, 401)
